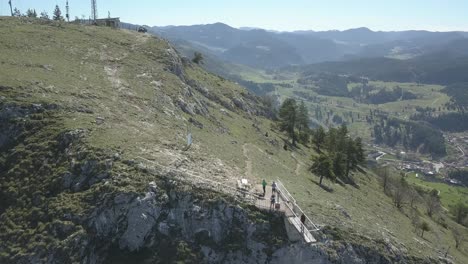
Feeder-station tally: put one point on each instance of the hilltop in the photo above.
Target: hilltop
(94, 165)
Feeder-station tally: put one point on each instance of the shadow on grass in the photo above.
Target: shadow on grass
(287, 145)
(326, 188)
(361, 170)
(354, 184)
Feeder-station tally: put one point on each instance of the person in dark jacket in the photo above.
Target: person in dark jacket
(272, 201)
(303, 218)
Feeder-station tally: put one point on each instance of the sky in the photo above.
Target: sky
(282, 15)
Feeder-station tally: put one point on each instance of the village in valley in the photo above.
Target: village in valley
(425, 167)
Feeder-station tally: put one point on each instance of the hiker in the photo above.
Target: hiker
(273, 187)
(272, 201)
(303, 218)
(264, 184)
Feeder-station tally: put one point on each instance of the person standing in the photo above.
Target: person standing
(273, 187)
(264, 184)
(272, 201)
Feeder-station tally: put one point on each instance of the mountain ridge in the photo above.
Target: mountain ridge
(267, 49)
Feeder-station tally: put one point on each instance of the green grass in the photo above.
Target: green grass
(449, 194)
(372, 213)
(112, 73)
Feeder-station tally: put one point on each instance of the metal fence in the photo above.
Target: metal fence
(238, 193)
(294, 207)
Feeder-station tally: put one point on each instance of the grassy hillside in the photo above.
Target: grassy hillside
(111, 103)
(367, 202)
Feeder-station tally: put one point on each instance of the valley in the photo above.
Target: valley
(335, 110)
(119, 146)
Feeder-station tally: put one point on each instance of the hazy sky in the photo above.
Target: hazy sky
(440, 15)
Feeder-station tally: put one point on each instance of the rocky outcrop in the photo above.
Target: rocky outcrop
(212, 230)
(175, 63)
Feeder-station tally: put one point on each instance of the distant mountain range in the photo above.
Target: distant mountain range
(269, 49)
(446, 65)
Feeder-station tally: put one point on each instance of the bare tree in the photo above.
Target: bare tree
(400, 190)
(432, 201)
(415, 220)
(424, 228)
(413, 196)
(458, 237)
(385, 175)
(459, 211)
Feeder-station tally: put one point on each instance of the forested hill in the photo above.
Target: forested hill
(444, 67)
(271, 50)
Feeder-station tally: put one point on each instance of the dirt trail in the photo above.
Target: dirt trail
(249, 165)
(299, 164)
(248, 162)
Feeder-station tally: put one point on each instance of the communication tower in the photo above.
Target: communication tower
(68, 12)
(94, 12)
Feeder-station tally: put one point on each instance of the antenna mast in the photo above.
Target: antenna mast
(94, 14)
(11, 8)
(68, 12)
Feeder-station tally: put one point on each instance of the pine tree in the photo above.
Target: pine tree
(360, 155)
(44, 15)
(339, 160)
(302, 117)
(31, 13)
(17, 12)
(318, 138)
(331, 140)
(57, 14)
(378, 137)
(322, 166)
(287, 116)
(355, 156)
(302, 123)
(350, 158)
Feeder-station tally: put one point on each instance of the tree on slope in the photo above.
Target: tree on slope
(322, 166)
(57, 14)
(44, 15)
(318, 139)
(17, 12)
(302, 123)
(458, 237)
(432, 200)
(198, 58)
(459, 211)
(354, 155)
(31, 13)
(424, 228)
(287, 116)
